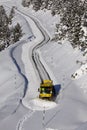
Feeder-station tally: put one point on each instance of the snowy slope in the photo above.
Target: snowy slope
(69, 112)
(13, 83)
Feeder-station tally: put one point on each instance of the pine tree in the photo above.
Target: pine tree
(26, 3)
(85, 25)
(11, 15)
(44, 4)
(17, 32)
(36, 4)
(3, 24)
(71, 22)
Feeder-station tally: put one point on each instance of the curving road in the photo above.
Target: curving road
(43, 74)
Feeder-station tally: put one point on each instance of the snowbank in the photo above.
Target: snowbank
(39, 104)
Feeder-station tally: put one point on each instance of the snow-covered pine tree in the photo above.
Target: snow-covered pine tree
(71, 22)
(56, 6)
(8, 35)
(11, 15)
(85, 26)
(26, 3)
(36, 4)
(17, 32)
(3, 24)
(44, 4)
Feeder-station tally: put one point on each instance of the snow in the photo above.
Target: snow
(11, 89)
(38, 104)
(50, 129)
(68, 112)
(80, 72)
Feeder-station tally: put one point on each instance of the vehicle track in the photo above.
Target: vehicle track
(35, 56)
(24, 119)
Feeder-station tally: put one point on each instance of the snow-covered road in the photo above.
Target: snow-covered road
(43, 74)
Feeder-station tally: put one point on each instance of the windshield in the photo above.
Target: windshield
(46, 90)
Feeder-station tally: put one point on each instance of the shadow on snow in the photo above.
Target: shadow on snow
(56, 90)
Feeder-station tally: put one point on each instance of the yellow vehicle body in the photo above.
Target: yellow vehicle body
(42, 95)
(46, 89)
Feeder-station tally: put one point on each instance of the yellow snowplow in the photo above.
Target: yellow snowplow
(46, 90)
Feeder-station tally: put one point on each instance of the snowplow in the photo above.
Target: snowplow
(46, 90)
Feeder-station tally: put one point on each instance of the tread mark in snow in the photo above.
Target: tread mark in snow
(24, 119)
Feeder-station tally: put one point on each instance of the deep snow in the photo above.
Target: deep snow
(68, 112)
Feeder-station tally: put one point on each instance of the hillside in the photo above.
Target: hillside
(20, 108)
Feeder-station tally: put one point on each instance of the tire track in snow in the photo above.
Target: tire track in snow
(24, 119)
(35, 56)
